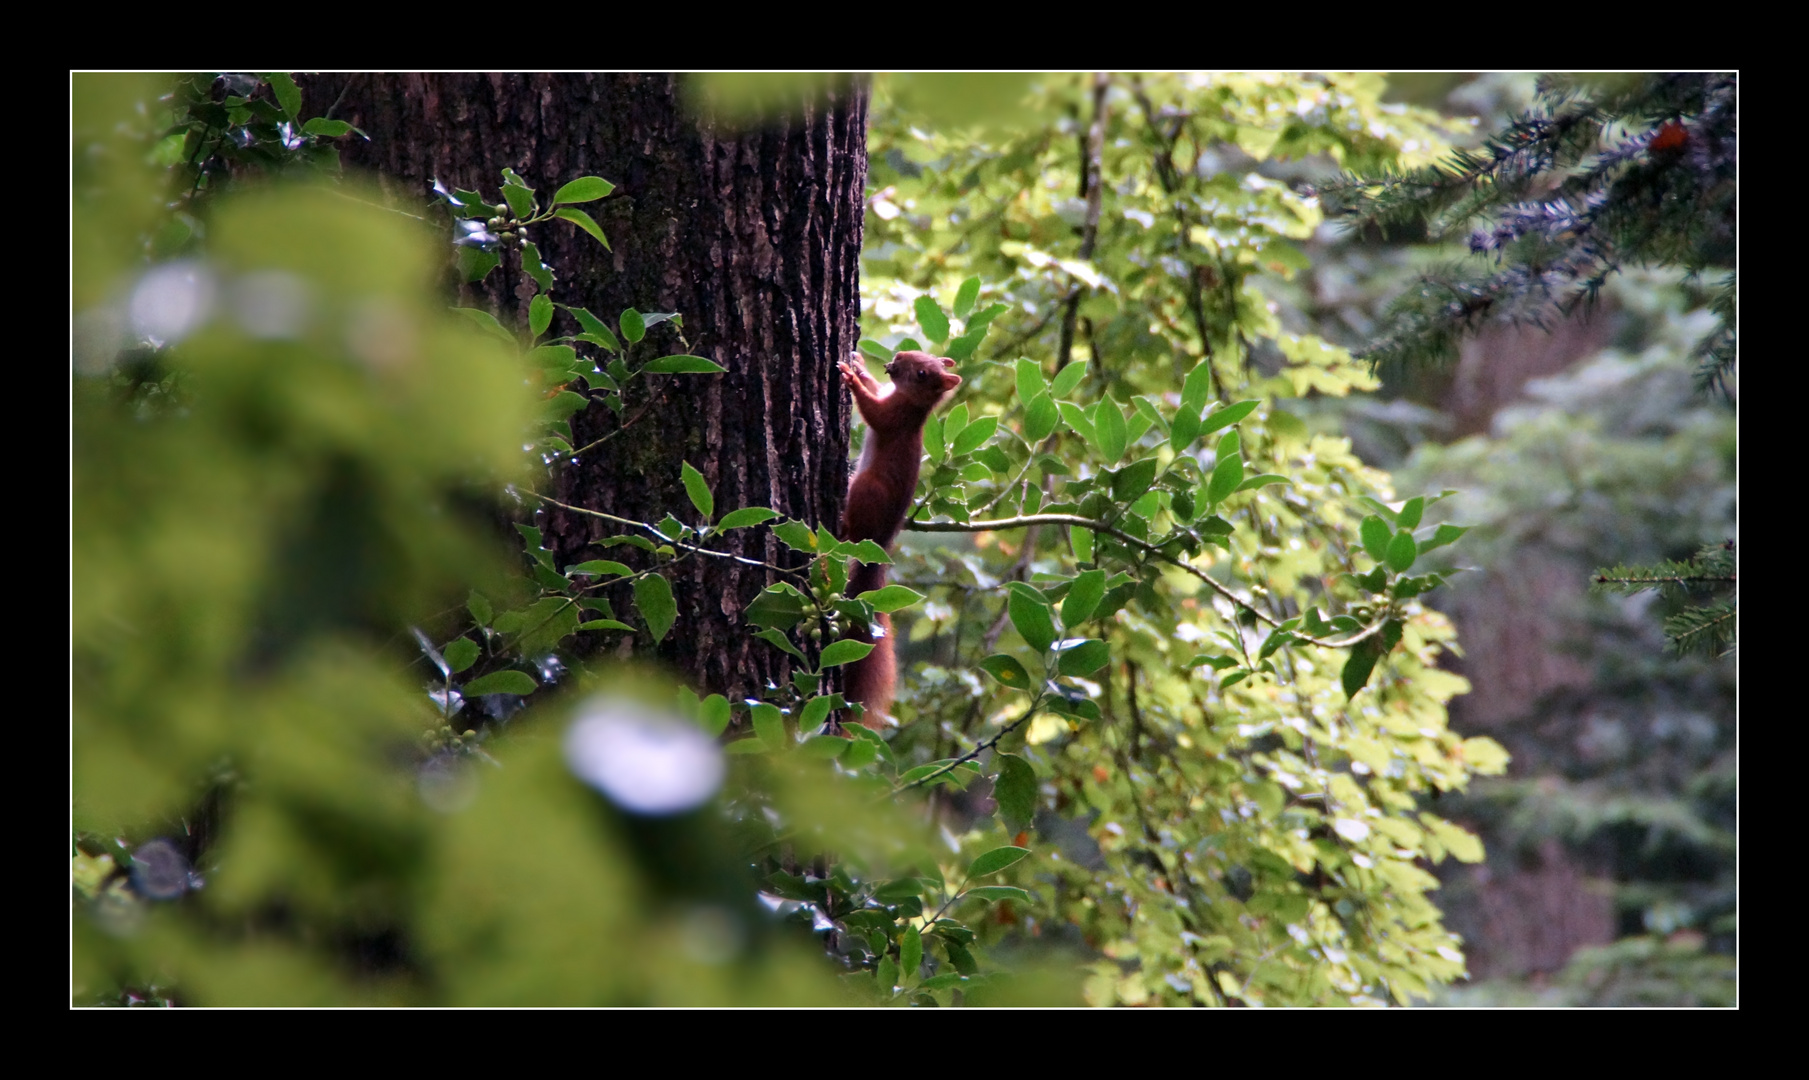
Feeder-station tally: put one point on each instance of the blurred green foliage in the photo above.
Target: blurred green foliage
(287, 449)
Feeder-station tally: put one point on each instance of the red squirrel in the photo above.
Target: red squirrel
(879, 496)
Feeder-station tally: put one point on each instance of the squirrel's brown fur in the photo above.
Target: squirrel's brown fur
(879, 496)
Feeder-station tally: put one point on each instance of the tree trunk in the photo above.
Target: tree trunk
(752, 236)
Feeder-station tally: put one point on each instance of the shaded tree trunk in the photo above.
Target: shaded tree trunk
(753, 237)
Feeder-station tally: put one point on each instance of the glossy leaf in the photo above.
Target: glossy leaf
(653, 596)
(747, 515)
(1084, 659)
(1376, 537)
(993, 861)
(683, 365)
(931, 318)
(697, 490)
(845, 651)
(1030, 615)
(582, 190)
(1007, 670)
(1067, 379)
(1109, 423)
(501, 682)
(1015, 788)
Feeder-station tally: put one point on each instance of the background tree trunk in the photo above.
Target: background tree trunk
(752, 236)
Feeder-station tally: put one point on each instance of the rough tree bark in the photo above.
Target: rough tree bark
(752, 236)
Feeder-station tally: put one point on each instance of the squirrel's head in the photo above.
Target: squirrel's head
(923, 377)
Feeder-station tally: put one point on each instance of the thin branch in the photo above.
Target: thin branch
(1026, 520)
(693, 548)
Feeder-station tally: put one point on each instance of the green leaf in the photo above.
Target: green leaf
(769, 725)
(595, 327)
(520, 200)
(653, 596)
(993, 861)
(1376, 537)
(779, 639)
(960, 958)
(1401, 552)
(778, 606)
(325, 128)
(1040, 419)
(984, 317)
(500, 682)
(1226, 476)
(540, 315)
(488, 322)
(1409, 517)
(825, 747)
(954, 422)
(1068, 378)
(963, 347)
(1109, 422)
(531, 264)
(747, 515)
(634, 327)
(1185, 429)
(995, 893)
(1263, 480)
(288, 95)
(459, 654)
(845, 651)
(869, 347)
(1379, 507)
(1083, 659)
(1081, 539)
(892, 598)
(1015, 788)
(1007, 671)
(479, 606)
(747, 746)
(1457, 840)
(1132, 482)
(1077, 419)
(815, 710)
(600, 567)
(910, 953)
(1083, 596)
(1227, 416)
(713, 714)
(931, 318)
(475, 264)
(966, 296)
(697, 490)
(797, 536)
(545, 624)
(932, 438)
(1216, 663)
(1031, 383)
(1030, 615)
(1363, 657)
(554, 359)
(583, 189)
(682, 365)
(605, 624)
(562, 405)
(974, 434)
(1445, 534)
(869, 552)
